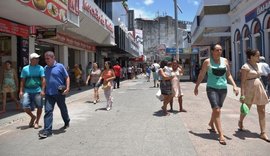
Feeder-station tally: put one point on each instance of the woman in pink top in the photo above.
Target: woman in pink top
(94, 77)
(107, 76)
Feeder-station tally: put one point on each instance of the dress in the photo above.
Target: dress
(9, 84)
(254, 90)
(177, 92)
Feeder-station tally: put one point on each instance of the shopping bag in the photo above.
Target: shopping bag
(159, 95)
(244, 109)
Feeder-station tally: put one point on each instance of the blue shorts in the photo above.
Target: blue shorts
(31, 100)
(216, 97)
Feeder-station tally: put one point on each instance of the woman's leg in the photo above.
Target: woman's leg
(241, 119)
(4, 102)
(261, 113)
(180, 101)
(167, 99)
(217, 121)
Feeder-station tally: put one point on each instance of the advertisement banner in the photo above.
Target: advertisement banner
(56, 9)
(13, 28)
(74, 42)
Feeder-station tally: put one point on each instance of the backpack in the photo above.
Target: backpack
(153, 69)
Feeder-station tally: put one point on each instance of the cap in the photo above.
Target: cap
(34, 55)
(262, 58)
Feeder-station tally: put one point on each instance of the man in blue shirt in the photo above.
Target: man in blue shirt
(57, 87)
(32, 88)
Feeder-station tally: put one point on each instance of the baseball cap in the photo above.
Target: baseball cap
(34, 55)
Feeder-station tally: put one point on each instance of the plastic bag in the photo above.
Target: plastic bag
(244, 109)
(159, 95)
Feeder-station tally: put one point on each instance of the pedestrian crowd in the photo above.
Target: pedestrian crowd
(49, 86)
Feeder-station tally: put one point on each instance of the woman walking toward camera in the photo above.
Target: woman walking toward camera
(9, 85)
(94, 77)
(107, 76)
(218, 71)
(252, 90)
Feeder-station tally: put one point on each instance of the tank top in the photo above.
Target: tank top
(217, 74)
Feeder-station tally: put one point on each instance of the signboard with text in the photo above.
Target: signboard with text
(56, 9)
(14, 28)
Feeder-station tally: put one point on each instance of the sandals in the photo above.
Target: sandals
(222, 142)
(264, 137)
(31, 123)
(212, 130)
(240, 125)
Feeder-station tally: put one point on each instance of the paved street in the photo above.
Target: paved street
(135, 127)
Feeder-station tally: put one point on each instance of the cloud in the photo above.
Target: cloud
(148, 2)
(141, 13)
(194, 2)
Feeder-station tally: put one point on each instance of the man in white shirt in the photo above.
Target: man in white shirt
(155, 67)
(265, 74)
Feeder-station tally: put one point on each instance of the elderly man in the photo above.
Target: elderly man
(32, 88)
(57, 87)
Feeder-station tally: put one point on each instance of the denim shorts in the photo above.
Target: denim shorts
(216, 97)
(32, 100)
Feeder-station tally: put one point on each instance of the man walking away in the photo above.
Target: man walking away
(117, 71)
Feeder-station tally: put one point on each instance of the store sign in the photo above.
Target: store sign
(73, 6)
(56, 9)
(74, 42)
(263, 7)
(13, 28)
(46, 33)
(90, 9)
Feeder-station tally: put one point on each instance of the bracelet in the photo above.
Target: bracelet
(242, 97)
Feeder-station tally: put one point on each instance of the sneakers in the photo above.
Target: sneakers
(44, 135)
(94, 101)
(108, 108)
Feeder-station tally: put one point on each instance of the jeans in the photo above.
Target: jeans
(116, 82)
(49, 107)
(216, 97)
(31, 100)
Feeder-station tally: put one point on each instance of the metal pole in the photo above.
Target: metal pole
(176, 31)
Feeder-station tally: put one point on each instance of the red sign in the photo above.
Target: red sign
(74, 42)
(56, 9)
(73, 6)
(13, 28)
(91, 9)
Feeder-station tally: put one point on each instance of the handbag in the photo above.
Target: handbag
(159, 95)
(244, 109)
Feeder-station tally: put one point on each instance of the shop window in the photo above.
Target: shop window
(256, 28)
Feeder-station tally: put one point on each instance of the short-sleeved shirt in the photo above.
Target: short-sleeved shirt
(55, 76)
(32, 76)
(117, 70)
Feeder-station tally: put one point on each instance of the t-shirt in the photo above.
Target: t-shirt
(117, 70)
(32, 76)
(55, 76)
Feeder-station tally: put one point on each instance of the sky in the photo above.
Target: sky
(152, 8)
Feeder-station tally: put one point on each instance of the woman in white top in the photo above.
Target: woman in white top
(177, 71)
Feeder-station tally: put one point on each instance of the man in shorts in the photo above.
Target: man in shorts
(32, 87)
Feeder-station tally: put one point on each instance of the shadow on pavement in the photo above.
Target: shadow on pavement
(243, 134)
(103, 109)
(159, 113)
(210, 136)
(23, 127)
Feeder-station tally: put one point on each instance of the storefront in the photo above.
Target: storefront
(250, 29)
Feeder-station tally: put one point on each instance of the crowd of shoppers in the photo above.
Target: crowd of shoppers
(49, 86)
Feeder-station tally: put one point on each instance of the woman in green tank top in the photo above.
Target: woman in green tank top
(218, 71)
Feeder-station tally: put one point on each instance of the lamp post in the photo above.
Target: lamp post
(176, 32)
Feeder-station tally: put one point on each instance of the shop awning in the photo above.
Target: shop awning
(48, 12)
